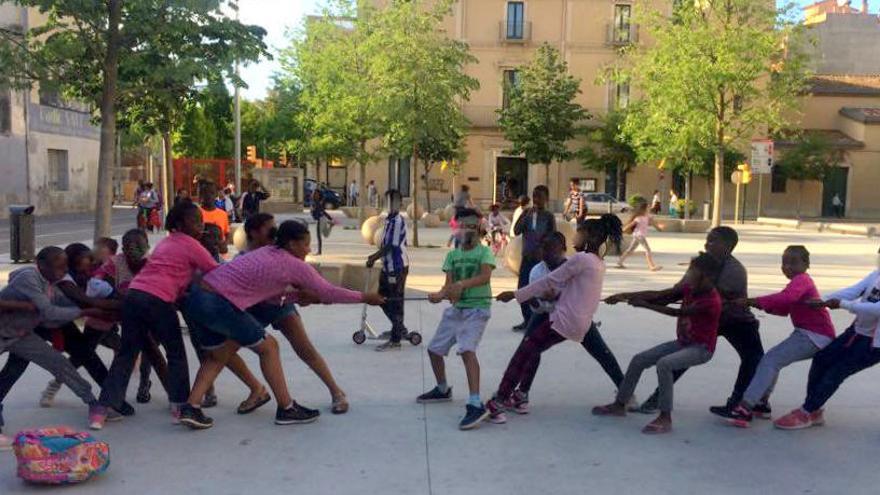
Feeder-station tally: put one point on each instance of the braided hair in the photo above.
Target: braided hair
(598, 231)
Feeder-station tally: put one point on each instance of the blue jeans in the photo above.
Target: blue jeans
(271, 313)
(214, 319)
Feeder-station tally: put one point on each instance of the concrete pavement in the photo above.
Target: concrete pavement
(389, 444)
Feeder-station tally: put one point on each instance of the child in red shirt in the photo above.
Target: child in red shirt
(697, 331)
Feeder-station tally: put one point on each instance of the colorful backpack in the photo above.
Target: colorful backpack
(59, 455)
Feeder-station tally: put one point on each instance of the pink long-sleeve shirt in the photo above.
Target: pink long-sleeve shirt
(267, 274)
(170, 268)
(579, 284)
(792, 302)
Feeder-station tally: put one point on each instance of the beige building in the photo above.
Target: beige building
(48, 145)
(843, 103)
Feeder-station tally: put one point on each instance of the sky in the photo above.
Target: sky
(277, 16)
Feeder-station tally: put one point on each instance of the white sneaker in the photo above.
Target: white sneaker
(5, 442)
(48, 397)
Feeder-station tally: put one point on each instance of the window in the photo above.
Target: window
(622, 16)
(515, 20)
(777, 180)
(511, 82)
(5, 112)
(621, 95)
(59, 172)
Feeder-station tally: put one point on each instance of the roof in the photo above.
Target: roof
(844, 85)
(837, 139)
(869, 115)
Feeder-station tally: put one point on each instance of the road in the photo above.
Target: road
(63, 229)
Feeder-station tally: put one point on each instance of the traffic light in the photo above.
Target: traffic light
(252, 153)
(746, 172)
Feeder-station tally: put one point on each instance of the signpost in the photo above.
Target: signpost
(762, 163)
(740, 177)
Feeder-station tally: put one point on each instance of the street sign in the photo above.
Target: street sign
(736, 177)
(762, 156)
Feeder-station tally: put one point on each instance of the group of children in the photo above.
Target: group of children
(228, 306)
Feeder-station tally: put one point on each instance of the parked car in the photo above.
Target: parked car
(331, 198)
(598, 203)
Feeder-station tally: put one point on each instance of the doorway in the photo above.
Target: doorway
(511, 180)
(835, 184)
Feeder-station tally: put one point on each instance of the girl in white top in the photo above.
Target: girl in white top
(638, 225)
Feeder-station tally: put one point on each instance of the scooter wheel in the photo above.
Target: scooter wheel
(359, 337)
(415, 338)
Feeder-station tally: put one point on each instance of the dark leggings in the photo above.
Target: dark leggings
(593, 343)
(847, 355)
(393, 308)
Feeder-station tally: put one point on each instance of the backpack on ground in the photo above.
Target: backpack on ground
(59, 455)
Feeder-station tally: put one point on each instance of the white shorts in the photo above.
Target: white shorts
(459, 326)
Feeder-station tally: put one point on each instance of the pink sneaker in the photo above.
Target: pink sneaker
(496, 412)
(818, 417)
(97, 416)
(518, 403)
(795, 420)
(175, 415)
(5, 443)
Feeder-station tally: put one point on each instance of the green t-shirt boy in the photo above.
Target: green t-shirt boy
(463, 264)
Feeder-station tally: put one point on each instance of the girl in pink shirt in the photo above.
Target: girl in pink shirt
(578, 282)
(217, 311)
(813, 331)
(638, 225)
(149, 308)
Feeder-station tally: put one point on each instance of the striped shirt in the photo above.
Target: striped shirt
(395, 259)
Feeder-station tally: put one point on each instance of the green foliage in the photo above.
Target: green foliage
(636, 200)
(541, 116)
(717, 73)
(608, 149)
(812, 158)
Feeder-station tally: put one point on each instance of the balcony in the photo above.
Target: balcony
(622, 35)
(514, 32)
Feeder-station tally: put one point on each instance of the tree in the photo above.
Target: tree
(812, 158)
(418, 78)
(330, 60)
(718, 73)
(444, 148)
(541, 116)
(609, 151)
(114, 53)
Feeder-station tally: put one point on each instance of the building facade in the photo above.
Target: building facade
(48, 145)
(503, 35)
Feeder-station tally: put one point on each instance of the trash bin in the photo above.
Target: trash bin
(22, 238)
(707, 207)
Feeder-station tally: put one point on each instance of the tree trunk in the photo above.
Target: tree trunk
(718, 194)
(800, 197)
(621, 173)
(687, 196)
(104, 192)
(428, 166)
(362, 196)
(168, 166)
(547, 175)
(415, 195)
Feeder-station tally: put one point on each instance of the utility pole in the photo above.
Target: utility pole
(237, 111)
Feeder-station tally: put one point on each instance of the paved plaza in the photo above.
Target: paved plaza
(388, 444)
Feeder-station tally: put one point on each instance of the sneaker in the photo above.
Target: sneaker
(473, 417)
(386, 335)
(650, 406)
(762, 411)
(5, 443)
(296, 415)
(739, 416)
(795, 420)
(818, 417)
(48, 396)
(388, 346)
(518, 402)
(126, 409)
(113, 415)
(723, 411)
(209, 401)
(496, 412)
(435, 395)
(143, 393)
(194, 418)
(175, 415)
(97, 416)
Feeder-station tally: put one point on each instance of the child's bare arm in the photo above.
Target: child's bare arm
(454, 290)
(440, 295)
